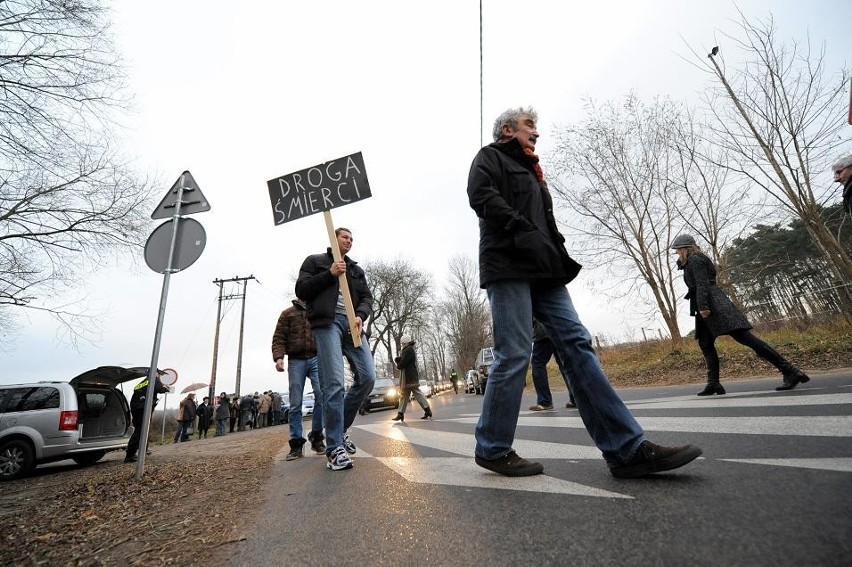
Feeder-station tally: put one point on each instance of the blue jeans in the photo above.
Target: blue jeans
(297, 371)
(220, 426)
(542, 350)
(333, 343)
(513, 305)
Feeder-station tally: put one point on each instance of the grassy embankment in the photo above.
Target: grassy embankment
(821, 346)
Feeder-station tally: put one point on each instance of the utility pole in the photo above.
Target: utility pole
(212, 391)
(242, 295)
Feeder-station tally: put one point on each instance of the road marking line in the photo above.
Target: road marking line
(807, 426)
(464, 443)
(840, 464)
(742, 400)
(455, 471)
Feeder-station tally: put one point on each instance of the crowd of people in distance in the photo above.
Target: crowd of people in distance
(228, 413)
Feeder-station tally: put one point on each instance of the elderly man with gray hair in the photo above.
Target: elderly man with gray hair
(843, 175)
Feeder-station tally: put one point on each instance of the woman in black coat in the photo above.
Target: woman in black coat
(715, 315)
(409, 379)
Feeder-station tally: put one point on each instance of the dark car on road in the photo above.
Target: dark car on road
(385, 395)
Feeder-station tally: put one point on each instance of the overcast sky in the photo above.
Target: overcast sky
(242, 92)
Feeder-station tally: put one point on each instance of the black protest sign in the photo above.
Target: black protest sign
(319, 188)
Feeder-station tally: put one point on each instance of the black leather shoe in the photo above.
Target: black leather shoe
(130, 459)
(511, 465)
(651, 458)
(792, 380)
(711, 389)
(399, 417)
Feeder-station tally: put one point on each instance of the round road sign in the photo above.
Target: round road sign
(169, 377)
(189, 245)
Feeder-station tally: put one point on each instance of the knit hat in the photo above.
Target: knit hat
(405, 340)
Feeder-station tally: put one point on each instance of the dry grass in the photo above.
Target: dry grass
(194, 499)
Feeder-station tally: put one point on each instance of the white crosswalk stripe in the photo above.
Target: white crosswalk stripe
(741, 400)
(820, 426)
(456, 471)
(838, 464)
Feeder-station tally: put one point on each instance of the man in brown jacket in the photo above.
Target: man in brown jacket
(293, 338)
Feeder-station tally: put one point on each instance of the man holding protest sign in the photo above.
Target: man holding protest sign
(318, 285)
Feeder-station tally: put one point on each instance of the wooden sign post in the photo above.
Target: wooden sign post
(317, 189)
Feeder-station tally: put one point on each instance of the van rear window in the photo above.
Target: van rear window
(35, 398)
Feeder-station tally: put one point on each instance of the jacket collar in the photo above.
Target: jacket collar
(514, 150)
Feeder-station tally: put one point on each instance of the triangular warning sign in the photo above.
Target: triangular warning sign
(193, 200)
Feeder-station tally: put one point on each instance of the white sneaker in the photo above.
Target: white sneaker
(338, 460)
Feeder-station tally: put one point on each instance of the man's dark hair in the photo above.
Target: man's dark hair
(337, 231)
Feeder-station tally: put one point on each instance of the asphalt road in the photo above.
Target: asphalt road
(773, 487)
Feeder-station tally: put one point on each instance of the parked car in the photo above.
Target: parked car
(308, 401)
(384, 395)
(484, 360)
(426, 388)
(82, 420)
(473, 383)
(308, 404)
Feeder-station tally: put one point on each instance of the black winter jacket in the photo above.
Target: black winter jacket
(847, 196)
(319, 289)
(518, 236)
(293, 336)
(699, 274)
(137, 400)
(407, 363)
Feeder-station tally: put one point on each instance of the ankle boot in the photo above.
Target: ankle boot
(792, 377)
(710, 389)
(427, 414)
(399, 417)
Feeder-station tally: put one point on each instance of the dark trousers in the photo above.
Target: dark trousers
(542, 351)
(133, 443)
(707, 344)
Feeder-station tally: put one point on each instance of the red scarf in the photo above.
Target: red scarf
(536, 167)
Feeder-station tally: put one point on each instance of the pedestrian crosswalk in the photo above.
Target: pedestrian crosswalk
(770, 414)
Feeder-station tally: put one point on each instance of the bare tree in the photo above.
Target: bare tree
(780, 117)
(615, 170)
(465, 313)
(710, 204)
(401, 302)
(67, 199)
(434, 347)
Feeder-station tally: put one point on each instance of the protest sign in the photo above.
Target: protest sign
(319, 188)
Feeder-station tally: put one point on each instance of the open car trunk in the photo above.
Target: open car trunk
(103, 412)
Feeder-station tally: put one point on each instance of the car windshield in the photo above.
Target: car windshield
(383, 382)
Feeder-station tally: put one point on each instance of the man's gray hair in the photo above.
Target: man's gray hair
(510, 117)
(842, 163)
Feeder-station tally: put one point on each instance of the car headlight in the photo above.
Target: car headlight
(392, 392)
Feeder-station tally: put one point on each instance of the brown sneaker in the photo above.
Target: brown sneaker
(511, 465)
(651, 458)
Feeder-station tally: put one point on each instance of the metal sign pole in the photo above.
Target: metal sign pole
(155, 355)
